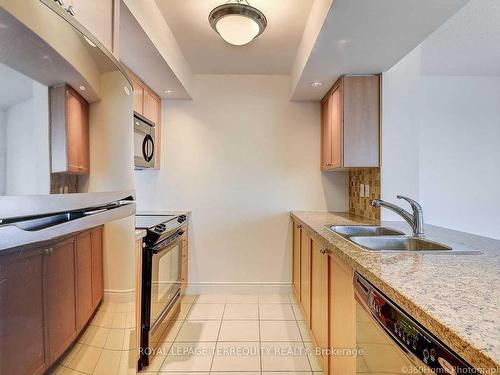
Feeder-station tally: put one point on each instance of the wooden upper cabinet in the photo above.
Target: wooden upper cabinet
(97, 266)
(84, 305)
(69, 129)
(22, 344)
(351, 123)
(61, 297)
(148, 104)
(138, 95)
(151, 107)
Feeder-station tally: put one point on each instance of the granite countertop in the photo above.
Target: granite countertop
(455, 296)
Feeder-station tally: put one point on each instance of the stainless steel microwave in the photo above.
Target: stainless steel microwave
(144, 142)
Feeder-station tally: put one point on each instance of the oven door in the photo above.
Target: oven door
(144, 143)
(165, 279)
(380, 352)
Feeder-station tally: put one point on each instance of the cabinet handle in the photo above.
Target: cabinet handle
(299, 226)
(48, 251)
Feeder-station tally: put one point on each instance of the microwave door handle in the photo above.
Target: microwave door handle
(148, 148)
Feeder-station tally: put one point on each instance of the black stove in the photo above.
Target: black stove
(161, 274)
(158, 227)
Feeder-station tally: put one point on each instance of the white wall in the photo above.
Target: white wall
(240, 156)
(441, 133)
(111, 169)
(27, 162)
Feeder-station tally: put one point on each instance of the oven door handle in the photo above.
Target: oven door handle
(168, 243)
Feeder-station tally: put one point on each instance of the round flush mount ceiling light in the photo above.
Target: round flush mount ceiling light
(237, 22)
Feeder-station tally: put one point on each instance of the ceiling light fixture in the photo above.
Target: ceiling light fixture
(237, 22)
(316, 84)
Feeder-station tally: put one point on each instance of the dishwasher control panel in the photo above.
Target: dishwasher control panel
(419, 344)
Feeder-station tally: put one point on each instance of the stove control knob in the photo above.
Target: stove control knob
(181, 219)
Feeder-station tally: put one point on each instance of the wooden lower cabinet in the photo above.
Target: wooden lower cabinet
(319, 298)
(61, 296)
(327, 300)
(342, 316)
(84, 302)
(46, 298)
(297, 231)
(305, 274)
(96, 235)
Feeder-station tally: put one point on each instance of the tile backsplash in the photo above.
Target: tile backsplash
(361, 205)
(62, 183)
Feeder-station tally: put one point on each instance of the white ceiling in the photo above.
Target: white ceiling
(15, 87)
(368, 37)
(273, 52)
(470, 42)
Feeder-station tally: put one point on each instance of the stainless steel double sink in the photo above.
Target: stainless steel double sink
(378, 238)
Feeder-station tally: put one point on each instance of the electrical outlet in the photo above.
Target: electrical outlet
(362, 190)
(367, 191)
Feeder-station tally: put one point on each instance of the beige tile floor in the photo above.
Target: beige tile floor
(107, 346)
(212, 335)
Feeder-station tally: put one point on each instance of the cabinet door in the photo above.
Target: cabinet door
(151, 107)
(22, 347)
(61, 314)
(138, 95)
(152, 111)
(84, 306)
(77, 126)
(97, 266)
(336, 127)
(305, 274)
(326, 134)
(342, 316)
(319, 297)
(297, 231)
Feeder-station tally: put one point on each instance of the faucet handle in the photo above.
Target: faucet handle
(413, 203)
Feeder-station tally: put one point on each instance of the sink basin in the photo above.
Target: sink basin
(398, 243)
(363, 230)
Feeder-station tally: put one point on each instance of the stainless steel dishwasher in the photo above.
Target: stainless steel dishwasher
(389, 341)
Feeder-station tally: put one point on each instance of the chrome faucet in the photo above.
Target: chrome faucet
(415, 219)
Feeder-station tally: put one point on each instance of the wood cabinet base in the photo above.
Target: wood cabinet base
(326, 296)
(46, 299)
